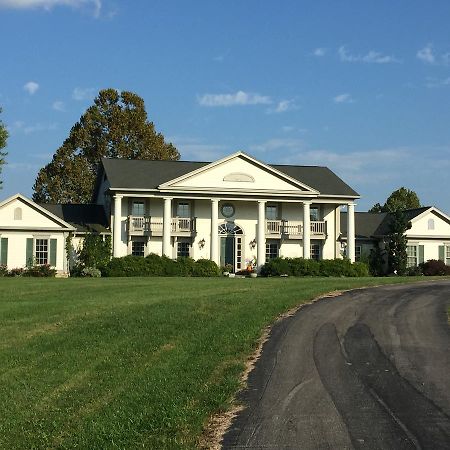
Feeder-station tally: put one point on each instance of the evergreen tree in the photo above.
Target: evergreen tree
(3, 138)
(399, 200)
(396, 246)
(116, 126)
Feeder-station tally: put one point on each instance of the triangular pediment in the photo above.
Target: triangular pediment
(432, 222)
(20, 212)
(238, 172)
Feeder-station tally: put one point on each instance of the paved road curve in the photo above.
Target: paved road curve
(367, 370)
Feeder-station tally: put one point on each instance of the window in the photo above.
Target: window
(431, 224)
(271, 212)
(138, 209)
(41, 251)
(411, 256)
(357, 253)
(227, 210)
(272, 249)
(314, 214)
(183, 210)
(183, 249)
(315, 251)
(18, 214)
(137, 248)
(447, 255)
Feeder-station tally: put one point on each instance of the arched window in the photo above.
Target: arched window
(431, 224)
(230, 228)
(18, 214)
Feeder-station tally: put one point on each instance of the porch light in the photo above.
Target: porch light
(253, 243)
(201, 244)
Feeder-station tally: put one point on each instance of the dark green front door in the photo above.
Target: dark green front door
(227, 250)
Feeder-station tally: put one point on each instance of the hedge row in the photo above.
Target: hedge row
(300, 267)
(159, 266)
(44, 270)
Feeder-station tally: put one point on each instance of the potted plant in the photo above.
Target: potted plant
(227, 269)
(251, 266)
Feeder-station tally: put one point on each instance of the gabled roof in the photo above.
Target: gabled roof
(369, 225)
(38, 208)
(149, 175)
(85, 218)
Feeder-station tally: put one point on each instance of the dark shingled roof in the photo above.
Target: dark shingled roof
(375, 224)
(85, 218)
(144, 174)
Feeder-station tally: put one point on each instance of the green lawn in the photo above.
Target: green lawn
(131, 363)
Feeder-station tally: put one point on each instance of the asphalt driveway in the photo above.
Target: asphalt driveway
(366, 370)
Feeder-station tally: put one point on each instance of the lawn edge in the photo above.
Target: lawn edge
(218, 424)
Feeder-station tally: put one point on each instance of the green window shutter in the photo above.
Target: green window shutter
(421, 254)
(4, 251)
(53, 252)
(442, 252)
(29, 255)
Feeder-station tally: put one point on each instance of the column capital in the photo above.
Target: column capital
(307, 202)
(351, 204)
(262, 201)
(215, 200)
(167, 198)
(118, 196)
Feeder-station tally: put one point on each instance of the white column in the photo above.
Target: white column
(167, 226)
(214, 244)
(306, 230)
(351, 232)
(261, 234)
(117, 225)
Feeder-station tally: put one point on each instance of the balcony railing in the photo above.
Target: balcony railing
(294, 228)
(154, 225)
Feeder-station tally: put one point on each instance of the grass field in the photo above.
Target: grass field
(131, 363)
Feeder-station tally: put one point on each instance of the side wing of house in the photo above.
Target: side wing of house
(429, 237)
(31, 235)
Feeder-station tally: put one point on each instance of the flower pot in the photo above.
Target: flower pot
(231, 275)
(253, 275)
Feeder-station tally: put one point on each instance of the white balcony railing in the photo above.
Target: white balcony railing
(146, 224)
(294, 228)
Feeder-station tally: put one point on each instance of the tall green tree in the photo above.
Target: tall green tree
(399, 200)
(115, 126)
(3, 138)
(396, 245)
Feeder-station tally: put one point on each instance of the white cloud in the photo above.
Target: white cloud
(31, 87)
(283, 106)
(319, 52)
(240, 98)
(435, 83)
(277, 144)
(58, 105)
(38, 127)
(426, 54)
(50, 4)
(197, 150)
(343, 98)
(372, 56)
(80, 94)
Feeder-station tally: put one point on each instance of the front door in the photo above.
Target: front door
(227, 251)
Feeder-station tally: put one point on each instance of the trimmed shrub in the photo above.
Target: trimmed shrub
(44, 270)
(91, 272)
(3, 270)
(17, 272)
(159, 266)
(301, 267)
(414, 271)
(435, 267)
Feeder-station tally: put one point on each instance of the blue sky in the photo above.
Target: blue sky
(361, 87)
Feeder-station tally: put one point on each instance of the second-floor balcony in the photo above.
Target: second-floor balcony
(292, 229)
(148, 225)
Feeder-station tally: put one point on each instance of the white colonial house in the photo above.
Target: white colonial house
(231, 210)
(428, 237)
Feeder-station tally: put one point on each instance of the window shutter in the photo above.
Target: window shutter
(421, 254)
(4, 251)
(29, 254)
(53, 252)
(442, 252)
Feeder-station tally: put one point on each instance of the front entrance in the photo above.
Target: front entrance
(231, 240)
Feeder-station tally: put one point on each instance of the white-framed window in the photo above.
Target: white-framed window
(411, 256)
(183, 210)
(271, 212)
(138, 208)
(41, 251)
(272, 250)
(138, 248)
(447, 255)
(315, 251)
(431, 224)
(358, 251)
(183, 249)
